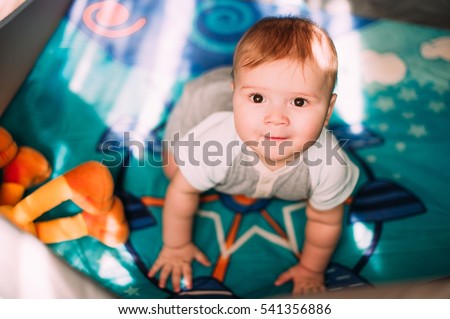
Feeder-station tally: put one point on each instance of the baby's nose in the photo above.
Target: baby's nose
(276, 116)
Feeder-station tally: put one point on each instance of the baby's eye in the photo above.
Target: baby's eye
(298, 101)
(257, 98)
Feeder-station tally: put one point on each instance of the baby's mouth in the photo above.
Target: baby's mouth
(269, 137)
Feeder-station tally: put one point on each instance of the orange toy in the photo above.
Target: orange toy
(89, 185)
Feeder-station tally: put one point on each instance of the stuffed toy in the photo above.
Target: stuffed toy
(90, 186)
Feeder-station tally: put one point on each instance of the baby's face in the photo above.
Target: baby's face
(280, 108)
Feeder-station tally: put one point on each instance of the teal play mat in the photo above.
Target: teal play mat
(101, 85)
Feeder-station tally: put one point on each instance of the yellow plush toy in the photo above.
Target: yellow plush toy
(90, 186)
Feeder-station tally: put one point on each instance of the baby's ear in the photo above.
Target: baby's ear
(232, 85)
(330, 108)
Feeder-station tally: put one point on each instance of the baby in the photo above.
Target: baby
(259, 130)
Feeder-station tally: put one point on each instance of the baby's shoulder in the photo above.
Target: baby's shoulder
(323, 149)
(218, 126)
(326, 158)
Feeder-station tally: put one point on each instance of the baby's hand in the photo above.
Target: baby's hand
(177, 262)
(305, 281)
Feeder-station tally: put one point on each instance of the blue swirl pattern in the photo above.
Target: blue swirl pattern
(220, 24)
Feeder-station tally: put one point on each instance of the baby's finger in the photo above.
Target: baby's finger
(201, 258)
(320, 288)
(164, 275)
(176, 278)
(187, 275)
(300, 290)
(283, 278)
(155, 268)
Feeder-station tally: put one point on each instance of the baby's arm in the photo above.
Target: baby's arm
(178, 250)
(322, 232)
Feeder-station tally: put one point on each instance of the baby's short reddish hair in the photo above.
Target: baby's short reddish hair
(295, 38)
